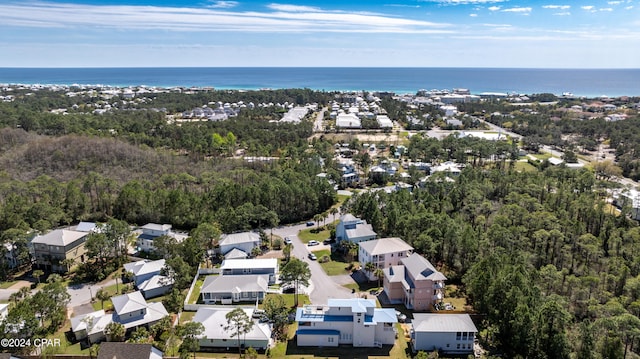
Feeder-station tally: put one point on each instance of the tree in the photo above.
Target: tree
(295, 272)
(251, 353)
(276, 309)
(102, 295)
(37, 274)
(118, 233)
(174, 300)
(286, 251)
(190, 333)
(140, 335)
(115, 332)
(370, 267)
(98, 246)
(178, 271)
(379, 273)
(238, 323)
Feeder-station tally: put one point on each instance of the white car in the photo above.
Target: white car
(313, 243)
(287, 240)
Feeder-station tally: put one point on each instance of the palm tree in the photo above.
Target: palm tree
(102, 295)
(379, 273)
(333, 211)
(37, 274)
(370, 267)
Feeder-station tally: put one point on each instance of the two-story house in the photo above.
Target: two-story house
(151, 231)
(353, 321)
(236, 267)
(228, 289)
(354, 229)
(147, 278)
(244, 241)
(415, 283)
(446, 333)
(383, 253)
(51, 249)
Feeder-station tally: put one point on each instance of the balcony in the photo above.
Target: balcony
(438, 285)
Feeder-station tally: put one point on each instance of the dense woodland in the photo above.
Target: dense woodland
(550, 270)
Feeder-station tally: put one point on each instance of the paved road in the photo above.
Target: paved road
(317, 126)
(323, 286)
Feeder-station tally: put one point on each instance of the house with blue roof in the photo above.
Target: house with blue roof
(353, 321)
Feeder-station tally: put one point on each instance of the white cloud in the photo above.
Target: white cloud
(223, 4)
(564, 13)
(473, 15)
(588, 8)
(614, 2)
(283, 18)
(523, 10)
(464, 2)
(607, 9)
(629, 7)
(292, 8)
(557, 7)
(494, 8)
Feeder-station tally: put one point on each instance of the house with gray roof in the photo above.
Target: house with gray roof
(215, 336)
(237, 267)
(416, 283)
(383, 253)
(244, 241)
(151, 231)
(354, 229)
(236, 254)
(446, 333)
(147, 277)
(58, 245)
(354, 321)
(117, 350)
(227, 289)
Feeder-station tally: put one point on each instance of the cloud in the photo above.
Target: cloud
(281, 18)
(607, 9)
(588, 8)
(564, 13)
(629, 7)
(614, 2)
(473, 15)
(223, 4)
(522, 10)
(557, 7)
(494, 8)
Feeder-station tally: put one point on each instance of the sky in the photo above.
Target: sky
(373, 33)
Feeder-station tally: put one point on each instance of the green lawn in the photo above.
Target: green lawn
(525, 167)
(65, 347)
(542, 156)
(97, 304)
(336, 266)
(5, 285)
(289, 299)
(186, 316)
(195, 295)
(306, 235)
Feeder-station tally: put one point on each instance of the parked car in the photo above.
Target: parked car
(312, 256)
(258, 313)
(310, 224)
(313, 243)
(328, 241)
(401, 317)
(287, 240)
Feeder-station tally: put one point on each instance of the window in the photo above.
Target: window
(330, 339)
(458, 346)
(464, 336)
(246, 270)
(458, 335)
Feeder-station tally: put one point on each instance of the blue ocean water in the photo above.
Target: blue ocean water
(580, 82)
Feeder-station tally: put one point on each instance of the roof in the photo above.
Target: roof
(80, 322)
(396, 274)
(349, 218)
(143, 267)
(358, 305)
(317, 332)
(157, 281)
(214, 320)
(156, 227)
(443, 323)
(385, 245)
(129, 302)
(420, 268)
(235, 284)
(249, 263)
(385, 315)
(116, 350)
(59, 237)
(361, 230)
(236, 253)
(237, 238)
(86, 227)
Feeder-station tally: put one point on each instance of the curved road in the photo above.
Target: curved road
(323, 287)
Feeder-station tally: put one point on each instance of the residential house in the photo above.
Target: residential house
(117, 350)
(446, 333)
(147, 277)
(87, 227)
(244, 241)
(215, 336)
(415, 283)
(4, 310)
(155, 286)
(383, 253)
(59, 245)
(348, 120)
(354, 321)
(130, 310)
(236, 254)
(228, 289)
(268, 266)
(151, 231)
(451, 169)
(354, 229)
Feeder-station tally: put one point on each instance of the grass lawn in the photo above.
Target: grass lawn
(195, 295)
(97, 304)
(65, 347)
(364, 287)
(5, 285)
(542, 156)
(525, 167)
(306, 235)
(186, 316)
(336, 266)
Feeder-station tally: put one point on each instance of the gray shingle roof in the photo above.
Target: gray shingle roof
(115, 350)
(443, 323)
(129, 302)
(235, 284)
(420, 268)
(385, 245)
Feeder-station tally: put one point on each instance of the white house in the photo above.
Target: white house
(4, 310)
(268, 266)
(353, 321)
(244, 241)
(384, 121)
(215, 336)
(144, 269)
(348, 120)
(116, 350)
(354, 229)
(151, 231)
(228, 289)
(383, 253)
(448, 333)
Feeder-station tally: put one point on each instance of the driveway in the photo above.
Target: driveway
(323, 286)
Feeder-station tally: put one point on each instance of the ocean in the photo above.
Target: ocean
(580, 82)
